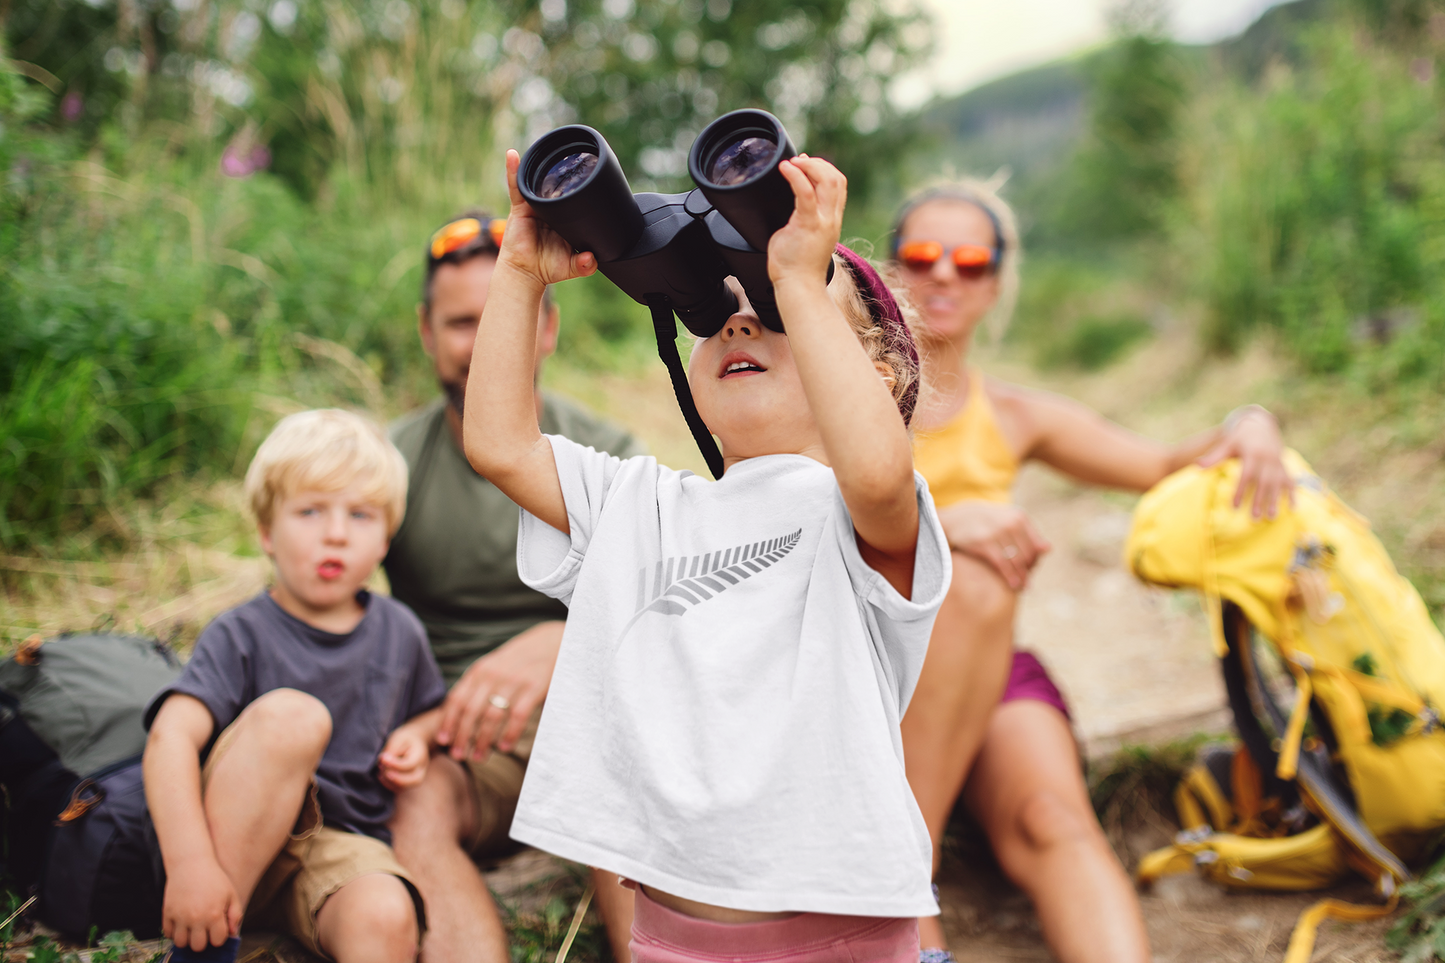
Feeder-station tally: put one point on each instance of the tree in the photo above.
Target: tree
(1127, 170)
(411, 91)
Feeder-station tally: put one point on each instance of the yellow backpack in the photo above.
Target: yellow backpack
(1335, 673)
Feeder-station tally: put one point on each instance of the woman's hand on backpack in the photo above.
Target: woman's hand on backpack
(201, 907)
(1252, 435)
(804, 246)
(533, 248)
(1001, 535)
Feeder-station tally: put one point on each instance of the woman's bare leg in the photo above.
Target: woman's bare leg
(963, 676)
(1028, 792)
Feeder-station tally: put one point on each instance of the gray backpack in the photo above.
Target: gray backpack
(84, 695)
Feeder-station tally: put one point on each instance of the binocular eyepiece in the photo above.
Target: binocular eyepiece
(672, 249)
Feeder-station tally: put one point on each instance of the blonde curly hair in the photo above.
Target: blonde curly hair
(879, 343)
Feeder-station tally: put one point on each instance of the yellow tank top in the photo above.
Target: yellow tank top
(968, 457)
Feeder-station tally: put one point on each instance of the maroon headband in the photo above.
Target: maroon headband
(883, 308)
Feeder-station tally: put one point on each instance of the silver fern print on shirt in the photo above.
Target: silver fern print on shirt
(672, 585)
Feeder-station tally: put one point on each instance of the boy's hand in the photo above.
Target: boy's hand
(201, 907)
(804, 246)
(533, 248)
(403, 760)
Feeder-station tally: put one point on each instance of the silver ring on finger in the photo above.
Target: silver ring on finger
(1010, 551)
(499, 701)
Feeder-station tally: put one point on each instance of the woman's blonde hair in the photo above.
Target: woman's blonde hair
(327, 450)
(983, 195)
(877, 341)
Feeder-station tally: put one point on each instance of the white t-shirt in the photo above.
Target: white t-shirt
(723, 719)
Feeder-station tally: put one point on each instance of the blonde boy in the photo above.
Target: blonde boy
(271, 762)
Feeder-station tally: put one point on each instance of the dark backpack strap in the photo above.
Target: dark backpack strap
(1248, 700)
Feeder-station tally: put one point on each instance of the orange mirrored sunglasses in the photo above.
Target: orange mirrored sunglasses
(462, 232)
(972, 261)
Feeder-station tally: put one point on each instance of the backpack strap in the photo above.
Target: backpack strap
(1200, 801)
(1302, 940)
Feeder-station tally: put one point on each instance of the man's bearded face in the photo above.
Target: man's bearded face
(456, 393)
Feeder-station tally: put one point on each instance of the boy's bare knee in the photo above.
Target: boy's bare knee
(371, 918)
(1045, 821)
(392, 920)
(290, 719)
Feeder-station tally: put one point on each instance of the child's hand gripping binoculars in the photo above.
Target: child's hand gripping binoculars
(671, 252)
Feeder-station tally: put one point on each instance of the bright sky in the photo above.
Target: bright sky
(984, 39)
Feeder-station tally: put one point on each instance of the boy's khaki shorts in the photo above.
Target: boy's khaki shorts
(496, 785)
(315, 862)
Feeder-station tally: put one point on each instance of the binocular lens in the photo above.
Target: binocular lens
(567, 175)
(742, 160)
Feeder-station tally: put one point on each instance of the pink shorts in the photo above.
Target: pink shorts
(1028, 679)
(662, 935)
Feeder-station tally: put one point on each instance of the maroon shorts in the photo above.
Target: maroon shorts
(1028, 679)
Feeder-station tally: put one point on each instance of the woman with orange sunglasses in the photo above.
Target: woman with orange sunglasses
(986, 722)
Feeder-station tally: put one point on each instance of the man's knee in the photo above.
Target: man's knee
(437, 811)
(287, 720)
(1044, 821)
(979, 592)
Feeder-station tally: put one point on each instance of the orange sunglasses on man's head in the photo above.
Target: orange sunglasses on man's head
(972, 261)
(463, 232)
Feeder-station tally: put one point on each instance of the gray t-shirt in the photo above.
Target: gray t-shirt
(723, 720)
(454, 560)
(371, 680)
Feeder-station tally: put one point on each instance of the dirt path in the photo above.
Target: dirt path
(1133, 662)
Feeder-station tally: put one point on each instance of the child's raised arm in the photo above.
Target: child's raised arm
(499, 429)
(862, 432)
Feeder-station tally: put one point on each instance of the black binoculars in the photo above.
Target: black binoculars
(671, 252)
(672, 249)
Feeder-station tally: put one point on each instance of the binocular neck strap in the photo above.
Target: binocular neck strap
(665, 328)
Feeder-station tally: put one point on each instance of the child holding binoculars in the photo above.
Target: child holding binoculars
(722, 725)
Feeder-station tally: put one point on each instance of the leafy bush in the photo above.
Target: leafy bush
(212, 213)
(1419, 934)
(1321, 199)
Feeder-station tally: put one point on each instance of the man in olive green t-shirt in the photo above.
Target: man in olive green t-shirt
(454, 562)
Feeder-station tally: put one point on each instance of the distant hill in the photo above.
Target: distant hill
(1030, 121)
